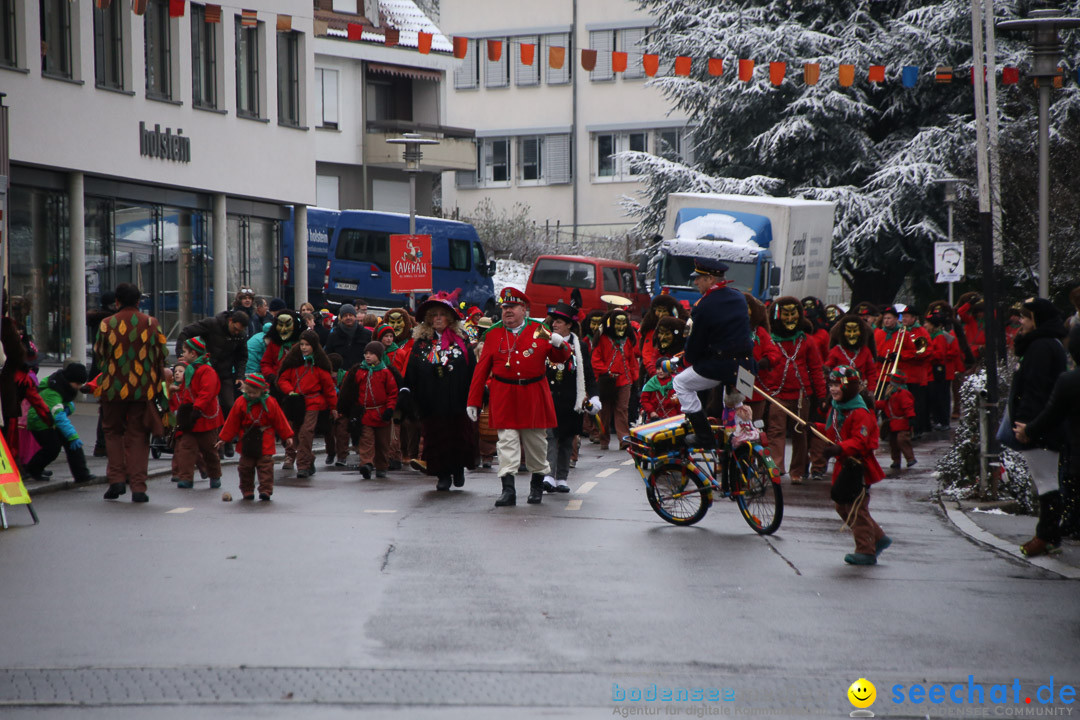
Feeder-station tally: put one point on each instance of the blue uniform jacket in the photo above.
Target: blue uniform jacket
(719, 340)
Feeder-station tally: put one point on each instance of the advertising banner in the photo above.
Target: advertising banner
(410, 263)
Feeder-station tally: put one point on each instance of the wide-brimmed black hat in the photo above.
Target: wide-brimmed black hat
(565, 311)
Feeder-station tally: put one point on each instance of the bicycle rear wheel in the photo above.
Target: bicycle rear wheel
(761, 501)
(677, 495)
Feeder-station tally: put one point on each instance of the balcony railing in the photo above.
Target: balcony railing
(455, 151)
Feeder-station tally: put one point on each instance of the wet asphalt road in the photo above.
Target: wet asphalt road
(384, 598)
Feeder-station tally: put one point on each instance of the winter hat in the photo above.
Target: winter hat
(899, 377)
(849, 380)
(376, 348)
(346, 309)
(381, 329)
(256, 380)
(1041, 310)
(75, 373)
(277, 305)
(196, 344)
(890, 310)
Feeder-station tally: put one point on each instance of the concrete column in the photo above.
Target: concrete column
(184, 315)
(77, 235)
(300, 268)
(221, 253)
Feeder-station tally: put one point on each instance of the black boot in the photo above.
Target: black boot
(536, 489)
(115, 490)
(443, 484)
(703, 436)
(509, 495)
(459, 477)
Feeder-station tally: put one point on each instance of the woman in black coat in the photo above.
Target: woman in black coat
(1042, 360)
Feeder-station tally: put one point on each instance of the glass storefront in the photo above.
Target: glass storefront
(253, 255)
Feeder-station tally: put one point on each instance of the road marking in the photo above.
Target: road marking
(607, 473)
(177, 511)
(631, 461)
(573, 505)
(586, 487)
(375, 512)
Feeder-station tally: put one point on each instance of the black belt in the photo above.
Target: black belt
(525, 381)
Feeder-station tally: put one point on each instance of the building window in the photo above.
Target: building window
(609, 145)
(493, 161)
(603, 42)
(247, 70)
(557, 159)
(288, 67)
(109, 46)
(629, 41)
(497, 72)
(530, 155)
(557, 76)
(158, 50)
(56, 38)
(526, 75)
(9, 56)
(326, 84)
(467, 73)
(203, 59)
(675, 144)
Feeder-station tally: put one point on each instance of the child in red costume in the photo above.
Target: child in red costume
(899, 409)
(305, 375)
(198, 416)
(658, 398)
(374, 392)
(254, 419)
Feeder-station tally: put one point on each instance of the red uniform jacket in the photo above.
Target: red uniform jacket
(622, 363)
(314, 383)
(202, 392)
(899, 409)
(821, 337)
(863, 361)
(799, 369)
(858, 438)
(649, 353)
(938, 354)
(272, 421)
(914, 368)
(519, 397)
(973, 329)
(955, 362)
(271, 359)
(378, 393)
(764, 347)
(400, 359)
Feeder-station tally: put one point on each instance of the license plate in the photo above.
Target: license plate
(346, 286)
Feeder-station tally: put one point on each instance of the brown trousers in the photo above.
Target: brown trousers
(127, 442)
(409, 439)
(193, 445)
(375, 446)
(759, 409)
(900, 442)
(200, 464)
(305, 435)
(617, 415)
(264, 465)
(865, 529)
(776, 428)
(337, 440)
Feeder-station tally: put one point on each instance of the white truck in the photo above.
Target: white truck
(773, 246)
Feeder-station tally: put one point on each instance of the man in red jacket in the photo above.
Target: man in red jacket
(520, 399)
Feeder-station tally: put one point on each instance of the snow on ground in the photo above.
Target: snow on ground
(991, 511)
(511, 272)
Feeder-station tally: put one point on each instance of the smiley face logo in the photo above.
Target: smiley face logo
(862, 693)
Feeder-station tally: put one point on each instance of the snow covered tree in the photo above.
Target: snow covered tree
(875, 149)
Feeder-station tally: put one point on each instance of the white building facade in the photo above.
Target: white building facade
(547, 137)
(148, 148)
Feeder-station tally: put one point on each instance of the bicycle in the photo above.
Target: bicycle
(681, 481)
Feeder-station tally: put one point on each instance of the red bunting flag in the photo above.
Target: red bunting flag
(423, 42)
(846, 75)
(588, 60)
(176, 8)
(651, 63)
(811, 73)
(1010, 75)
(138, 7)
(683, 65)
(355, 30)
(716, 67)
(494, 48)
(618, 62)
(746, 70)
(528, 53)
(556, 57)
(876, 74)
(284, 23)
(943, 74)
(777, 70)
(250, 18)
(461, 46)
(102, 4)
(212, 14)
(391, 36)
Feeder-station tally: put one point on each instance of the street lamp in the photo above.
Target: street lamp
(1046, 54)
(412, 156)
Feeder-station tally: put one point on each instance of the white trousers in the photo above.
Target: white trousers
(687, 384)
(532, 440)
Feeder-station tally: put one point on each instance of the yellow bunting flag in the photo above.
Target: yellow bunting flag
(846, 75)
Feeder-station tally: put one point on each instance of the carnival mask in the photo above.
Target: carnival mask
(620, 325)
(662, 311)
(789, 317)
(832, 313)
(664, 336)
(852, 334)
(594, 324)
(809, 306)
(396, 321)
(284, 325)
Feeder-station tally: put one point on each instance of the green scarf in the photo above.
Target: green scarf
(780, 338)
(654, 385)
(394, 347)
(189, 374)
(375, 368)
(260, 400)
(842, 409)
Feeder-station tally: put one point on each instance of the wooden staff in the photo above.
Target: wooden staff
(792, 415)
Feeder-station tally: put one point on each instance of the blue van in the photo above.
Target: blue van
(349, 257)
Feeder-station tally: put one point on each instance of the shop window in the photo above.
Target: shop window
(39, 269)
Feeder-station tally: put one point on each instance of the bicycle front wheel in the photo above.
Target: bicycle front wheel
(677, 495)
(761, 501)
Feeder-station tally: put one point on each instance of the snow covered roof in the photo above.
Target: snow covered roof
(720, 250)
(718, 226)
(404, 15)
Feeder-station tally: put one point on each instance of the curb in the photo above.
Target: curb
(965, 525)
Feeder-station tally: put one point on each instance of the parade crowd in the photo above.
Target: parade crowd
(446, 388)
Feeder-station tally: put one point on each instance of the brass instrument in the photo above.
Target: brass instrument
(883, 376)
(542, 333)
(921, 346)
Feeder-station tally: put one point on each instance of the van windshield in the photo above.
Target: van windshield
(565, 273)
(677, 268)
(370, 246)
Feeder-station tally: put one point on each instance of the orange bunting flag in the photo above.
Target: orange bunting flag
(811, 73)
(284, 23)
(423, 42)
(250, 18)
(176, 8)
(391, 36)
(356, 31)
(746, 70)
(212, 14)
(1010, 75)
(618, 62)
(461, 46)
(943, 74)
(716, 67)
(528, 53)
(556, 57)
(876, 74)
(777, 70)
(494, 48)
(319, 27)
(138, 7)
(847, 75)
(588, 60)
(683, 65)
(651, 63)
(102, 4)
